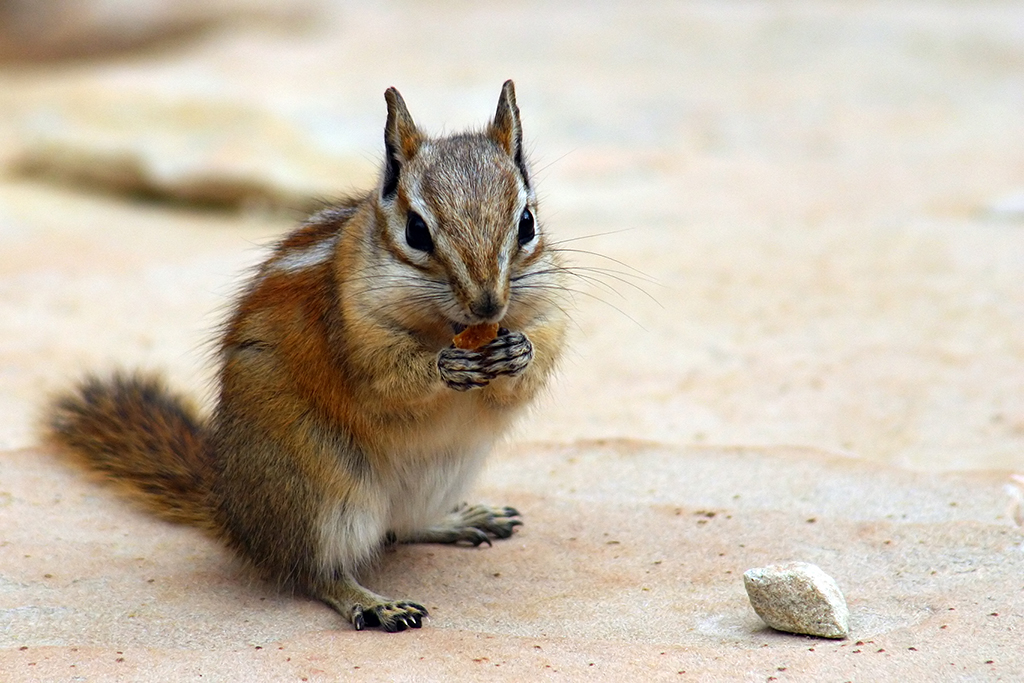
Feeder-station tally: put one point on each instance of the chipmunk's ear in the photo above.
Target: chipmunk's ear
(506, 130)
(401, 141)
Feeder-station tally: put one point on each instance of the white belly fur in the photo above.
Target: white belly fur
(426, 482)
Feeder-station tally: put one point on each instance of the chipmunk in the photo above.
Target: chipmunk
(345, 418)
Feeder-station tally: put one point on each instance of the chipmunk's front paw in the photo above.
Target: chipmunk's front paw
(390, 616)
(508, 354)
(463, 369)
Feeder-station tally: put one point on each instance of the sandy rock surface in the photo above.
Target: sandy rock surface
(630, 563)
(803, 341)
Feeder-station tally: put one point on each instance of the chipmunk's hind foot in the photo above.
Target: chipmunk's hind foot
(390, 616)
(470, 524)
(365, 609)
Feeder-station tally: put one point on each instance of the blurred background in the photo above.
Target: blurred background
(799, 223)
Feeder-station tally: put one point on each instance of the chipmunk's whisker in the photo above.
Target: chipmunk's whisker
(634, 272)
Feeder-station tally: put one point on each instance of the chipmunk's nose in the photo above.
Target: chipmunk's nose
(488, 306)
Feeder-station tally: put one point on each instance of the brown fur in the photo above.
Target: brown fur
(344, 416)
(137, 433)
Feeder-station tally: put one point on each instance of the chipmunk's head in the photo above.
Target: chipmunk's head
(457, 218)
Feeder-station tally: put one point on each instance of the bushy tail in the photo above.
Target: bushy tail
(140, 435)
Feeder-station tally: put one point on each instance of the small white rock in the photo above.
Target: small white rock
(799, 598)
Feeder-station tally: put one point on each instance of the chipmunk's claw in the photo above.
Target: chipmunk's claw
(474, 536)
(503, 529)
(390, 616)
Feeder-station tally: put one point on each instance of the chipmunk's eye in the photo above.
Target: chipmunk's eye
(417, 235)
(527, 231)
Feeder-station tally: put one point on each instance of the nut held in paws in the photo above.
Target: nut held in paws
(475, 336)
